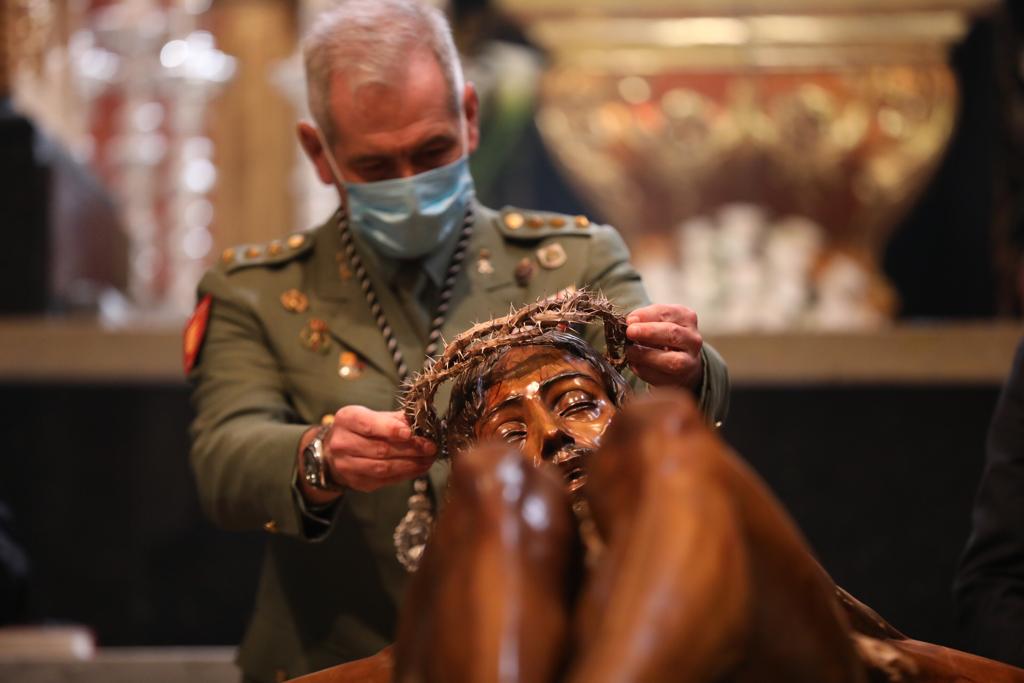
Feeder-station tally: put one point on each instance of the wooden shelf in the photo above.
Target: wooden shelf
(946, 353)
(70, 350)
(83, 350)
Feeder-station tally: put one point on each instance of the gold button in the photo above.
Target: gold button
(582, 222)
(327, 419)
(557, 222)
(535, 222)
(253, 252)
(274, 248)
(514, 220)
(295, 301)
(296, 241)
(228, 255)
(270, 527)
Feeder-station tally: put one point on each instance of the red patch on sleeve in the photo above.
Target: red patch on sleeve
(195, 332)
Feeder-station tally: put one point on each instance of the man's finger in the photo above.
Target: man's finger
(372, 423)
(379, 470)
(367, 484)
(351, 444)
(673, 363)
(665, 336)
(664, 313)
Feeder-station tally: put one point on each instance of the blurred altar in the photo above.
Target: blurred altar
(835, 187)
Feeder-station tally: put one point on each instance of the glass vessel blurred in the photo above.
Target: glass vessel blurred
(149, 65)
(703, 128)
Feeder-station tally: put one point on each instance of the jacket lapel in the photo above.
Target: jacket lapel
(482, 295)
(342, 304)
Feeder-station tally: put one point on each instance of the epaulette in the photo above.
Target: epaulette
(518, 224)
(268, 253)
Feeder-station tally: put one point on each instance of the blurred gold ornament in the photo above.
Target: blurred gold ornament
(661, 110)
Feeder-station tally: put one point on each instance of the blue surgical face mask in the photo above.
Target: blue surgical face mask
(408, 218)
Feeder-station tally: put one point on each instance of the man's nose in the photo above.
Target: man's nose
(406, 169)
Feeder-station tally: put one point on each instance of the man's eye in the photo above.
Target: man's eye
(373, 170)
(429, 156)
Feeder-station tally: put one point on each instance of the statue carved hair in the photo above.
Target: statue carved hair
(469, 359)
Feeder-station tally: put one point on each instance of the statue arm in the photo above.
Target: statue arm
(677, 573)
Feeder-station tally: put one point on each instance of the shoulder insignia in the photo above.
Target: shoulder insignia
(195, 332)
(518, 224)
(275, 251)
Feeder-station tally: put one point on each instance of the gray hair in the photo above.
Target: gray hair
(372, 40)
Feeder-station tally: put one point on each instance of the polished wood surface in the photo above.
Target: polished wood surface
(376, 669)
(702, 576)
(703, 570)
(492, 598)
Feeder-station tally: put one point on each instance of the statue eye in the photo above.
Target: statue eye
(512, 432)
(578, 405)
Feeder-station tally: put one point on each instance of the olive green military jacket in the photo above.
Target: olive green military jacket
(259, 381)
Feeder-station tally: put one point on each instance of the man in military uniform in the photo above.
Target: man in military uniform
(297, 347)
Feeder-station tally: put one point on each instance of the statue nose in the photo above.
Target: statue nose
(547, 436)
(555, 439)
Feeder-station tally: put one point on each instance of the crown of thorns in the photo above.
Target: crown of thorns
(481, 342)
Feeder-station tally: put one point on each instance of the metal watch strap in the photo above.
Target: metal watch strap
(315, 452)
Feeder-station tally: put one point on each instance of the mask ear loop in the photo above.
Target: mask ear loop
(331, 163)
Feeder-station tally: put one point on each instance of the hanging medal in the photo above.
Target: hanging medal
(413, 532)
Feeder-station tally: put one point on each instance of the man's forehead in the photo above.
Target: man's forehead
(412, 96)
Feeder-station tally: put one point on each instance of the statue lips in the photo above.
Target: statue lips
(571, 461)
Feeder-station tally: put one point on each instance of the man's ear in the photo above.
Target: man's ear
(314, 149)
(471, 108)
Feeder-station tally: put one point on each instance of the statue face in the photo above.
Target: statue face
(549, 403)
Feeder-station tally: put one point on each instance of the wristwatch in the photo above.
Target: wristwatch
(314, 467)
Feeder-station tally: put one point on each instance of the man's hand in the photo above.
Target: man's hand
(667, 344)
(367, 449)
